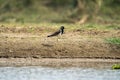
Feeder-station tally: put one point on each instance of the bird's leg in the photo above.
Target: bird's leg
(57, 38)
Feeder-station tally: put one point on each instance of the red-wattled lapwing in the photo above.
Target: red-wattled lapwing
(60, 31)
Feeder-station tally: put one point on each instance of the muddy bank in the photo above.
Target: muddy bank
(48, 62)
(32, 42)
(23, 45)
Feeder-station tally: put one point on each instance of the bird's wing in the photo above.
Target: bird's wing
(54, 34)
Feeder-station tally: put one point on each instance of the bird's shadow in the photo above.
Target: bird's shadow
(47, 45)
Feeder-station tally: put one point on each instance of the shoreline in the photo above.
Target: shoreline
(76, 48)
(60, 63)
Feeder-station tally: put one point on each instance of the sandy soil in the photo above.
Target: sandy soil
(22, 45)
(18, 44)
(59, 63)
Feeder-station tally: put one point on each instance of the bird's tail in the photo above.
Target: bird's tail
(49, 36)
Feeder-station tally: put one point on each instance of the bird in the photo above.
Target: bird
(60, 31)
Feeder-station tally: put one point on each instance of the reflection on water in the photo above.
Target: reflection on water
(40, 73)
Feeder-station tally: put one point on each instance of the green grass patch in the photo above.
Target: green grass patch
(91, 26)
(113, 41)
(116, 66)
(116, 27)
(48, 26)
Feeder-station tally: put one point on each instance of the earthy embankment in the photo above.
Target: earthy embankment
(17, 43)
(67, 62)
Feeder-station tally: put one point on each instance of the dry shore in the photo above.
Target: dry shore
(47, 62)
(24, 45)
(77, 48)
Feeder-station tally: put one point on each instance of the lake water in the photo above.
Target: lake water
(43, 73)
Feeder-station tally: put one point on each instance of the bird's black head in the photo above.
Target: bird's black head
(62, 27)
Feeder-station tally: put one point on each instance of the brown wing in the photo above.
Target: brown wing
(54, 34)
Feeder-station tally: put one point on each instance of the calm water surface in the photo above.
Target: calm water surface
(41, 73)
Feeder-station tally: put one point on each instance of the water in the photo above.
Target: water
(41, 73)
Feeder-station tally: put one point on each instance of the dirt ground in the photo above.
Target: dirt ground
(18, 43)
(59, 63)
